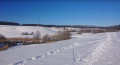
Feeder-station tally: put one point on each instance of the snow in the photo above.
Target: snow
(82, 49)
(16, 31)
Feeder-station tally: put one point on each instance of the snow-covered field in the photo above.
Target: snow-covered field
(16, 31)
(85, 49)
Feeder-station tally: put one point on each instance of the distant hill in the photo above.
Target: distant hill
(8, 23)
(73, 26)
(115, 27)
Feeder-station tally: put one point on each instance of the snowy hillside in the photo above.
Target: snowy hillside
(16, 31)
(85, 49)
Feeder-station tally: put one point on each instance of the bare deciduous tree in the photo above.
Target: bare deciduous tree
(37, 35)
(46, 38)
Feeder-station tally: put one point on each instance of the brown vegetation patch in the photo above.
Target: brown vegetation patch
(4, 47)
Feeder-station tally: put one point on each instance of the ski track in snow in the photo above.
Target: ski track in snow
(76, 58)
(102, 46)
(99, 50)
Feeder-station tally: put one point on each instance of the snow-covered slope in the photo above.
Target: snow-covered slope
(85, 49)
(16, 31)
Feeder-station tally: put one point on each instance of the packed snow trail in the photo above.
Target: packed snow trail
(85, 49)
(73, 46)
(54, 52)
(101, 55)
(98, 51)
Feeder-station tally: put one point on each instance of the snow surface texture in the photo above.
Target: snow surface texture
(85, 49)
(16, 31)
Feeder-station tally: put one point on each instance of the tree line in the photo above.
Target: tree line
(8, 23)
(73, 26)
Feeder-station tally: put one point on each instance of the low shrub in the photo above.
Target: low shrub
(61, 35)
(25, 33)
(2, 37)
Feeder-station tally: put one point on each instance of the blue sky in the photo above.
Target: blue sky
(101, 13)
